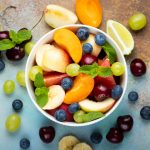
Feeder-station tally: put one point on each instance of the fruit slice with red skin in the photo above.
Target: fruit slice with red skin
(53, 78)
(109, 82)
(65, 108)
(103, 106)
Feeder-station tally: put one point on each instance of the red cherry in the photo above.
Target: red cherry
(47, 134)
(101, 92)
(88, 59)
(138, 67)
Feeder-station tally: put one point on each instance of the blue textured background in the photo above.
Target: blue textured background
(27, 14)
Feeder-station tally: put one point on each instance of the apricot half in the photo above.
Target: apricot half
(89, 12)
(70, 42)
(82, 87)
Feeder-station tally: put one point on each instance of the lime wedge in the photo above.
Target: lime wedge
(120, 34)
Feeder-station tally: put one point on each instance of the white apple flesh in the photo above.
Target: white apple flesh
(89, 105)
(55, 59)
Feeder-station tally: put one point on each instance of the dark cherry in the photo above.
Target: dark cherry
(138, 67)
(88, 59)
(47, 134)
(101, 92)
(4, 35)
(125, 123)
(115, 135)
(16, 53)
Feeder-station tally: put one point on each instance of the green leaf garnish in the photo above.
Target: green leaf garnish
(110, 51)
(20, 36)
(41, 96)
(6, 44)
(91, 116)
(95, 70)
(39, 80)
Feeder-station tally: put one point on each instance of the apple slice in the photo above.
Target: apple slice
(55, 59)
(56, 97)
(96, 48)
(53, 78)
(40, 54)
(89, 105)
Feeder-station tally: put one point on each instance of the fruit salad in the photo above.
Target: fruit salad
(76, 77)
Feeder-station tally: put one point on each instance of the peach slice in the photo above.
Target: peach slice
(70, 42)
(82, 87)
(90, 106)
(55, 59)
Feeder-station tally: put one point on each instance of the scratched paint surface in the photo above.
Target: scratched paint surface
(15, 14)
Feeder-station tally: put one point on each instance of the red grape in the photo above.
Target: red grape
(88, 59)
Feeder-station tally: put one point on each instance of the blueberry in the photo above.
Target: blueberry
(83, 33)
(133, 96)
(96, 137)
(100, 39)
(24, 143)
(87, 48)
(74, 108)
(145, 112)
(66, 83)
(2, 65)
(60, 115)
(116, 92)
(17, 105)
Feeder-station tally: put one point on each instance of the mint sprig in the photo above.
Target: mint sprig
(41, 96)
(39, 80)
(110, 51)
(95, 70)
(6, 44)
(16, 38)
(20, 36)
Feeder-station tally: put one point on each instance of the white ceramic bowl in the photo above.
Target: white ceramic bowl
(47, 38)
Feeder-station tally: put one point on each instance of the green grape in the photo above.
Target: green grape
(20, 77)
(72, 69)
(9, 86)
(13, 122)
(78, 116)
(117, 69)
(137, 21)
(28, 47)
(33, 71)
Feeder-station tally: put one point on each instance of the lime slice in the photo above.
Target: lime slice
(121, 36)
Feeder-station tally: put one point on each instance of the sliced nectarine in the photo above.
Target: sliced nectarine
(82, 87)
(70, 42)
(89, 12)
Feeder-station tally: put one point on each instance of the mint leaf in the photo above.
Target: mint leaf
(110, 51)
(6, 44)
(20, 36)
(41, 96)
(95, 70)
(104, 71)
(91, 116)
(39, 81)
(42, 100)
(23, 35)
(40, 91)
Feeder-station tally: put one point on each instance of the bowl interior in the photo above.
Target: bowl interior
(47, 38)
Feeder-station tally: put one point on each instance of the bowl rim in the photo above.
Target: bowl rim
(73, 124)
